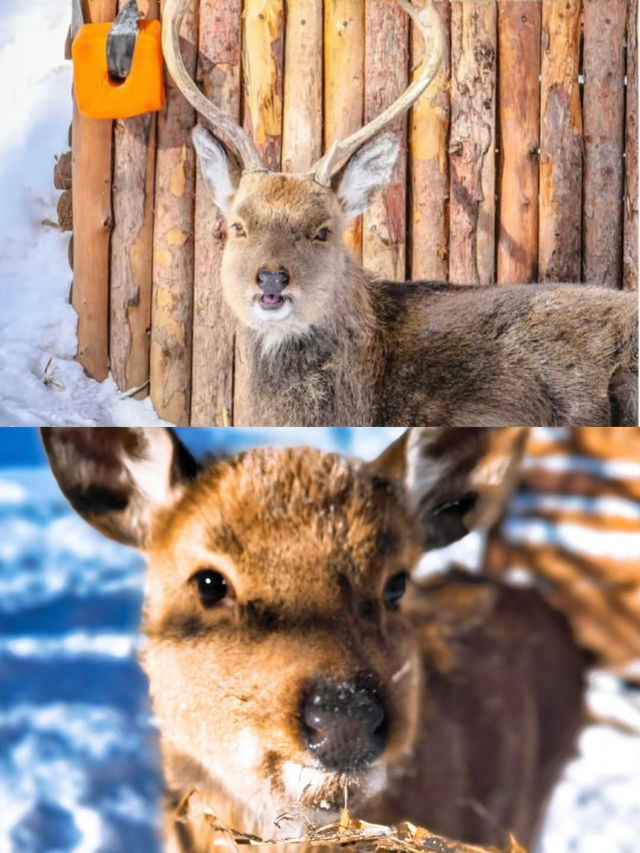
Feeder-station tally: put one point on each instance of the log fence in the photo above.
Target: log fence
(520, 164)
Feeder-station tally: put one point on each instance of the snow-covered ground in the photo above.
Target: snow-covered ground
(37, 324)
(78, 760)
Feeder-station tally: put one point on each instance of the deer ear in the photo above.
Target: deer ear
(118, 479)
(219, 173)
(456, 479)
(366, 172)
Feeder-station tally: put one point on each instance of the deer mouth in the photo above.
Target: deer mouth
(271, 301)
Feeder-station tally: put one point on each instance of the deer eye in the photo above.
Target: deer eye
(394, 589)
(322, 235)
(238, 229)
(212, 587)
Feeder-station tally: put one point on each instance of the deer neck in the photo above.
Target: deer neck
(326, 376)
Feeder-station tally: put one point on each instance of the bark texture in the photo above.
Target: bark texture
(386, 65)
(132, 246)
(519, 40)
(472, 142)
(429, 164)
(603, 107)
(560, 143)
(302, 124)
(172, 305)
(630, 245)
(344, 82)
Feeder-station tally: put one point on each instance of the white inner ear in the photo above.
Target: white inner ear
(152, 473)
(423, 472)
(367, 171)
(215, 167)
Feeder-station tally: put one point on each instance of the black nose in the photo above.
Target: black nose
(272, 283)
(344, 724)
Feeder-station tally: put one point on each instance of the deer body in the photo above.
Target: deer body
(422, 353)
(286, 664)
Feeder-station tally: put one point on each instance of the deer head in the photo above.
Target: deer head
(283, 664)
(284, 267)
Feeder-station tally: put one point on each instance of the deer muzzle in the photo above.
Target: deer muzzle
(344, 724)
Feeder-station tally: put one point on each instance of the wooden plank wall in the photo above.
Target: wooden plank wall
(574, 528)
(520, 165)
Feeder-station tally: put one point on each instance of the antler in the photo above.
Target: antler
(428, 22)
(231, 132)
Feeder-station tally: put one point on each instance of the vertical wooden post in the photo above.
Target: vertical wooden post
(472, 142)
(386, 73)
(560, 143)
(218, 73)
(630, 244)
(519, 62)
(92, 222)
(344, 82)
(262, 62)
(132, 245)
(262, 59)
(302, 123)
(171, 314)
(429, 160)
(603, 106)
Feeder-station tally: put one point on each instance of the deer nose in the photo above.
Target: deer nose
(344, 724)
(272, 283)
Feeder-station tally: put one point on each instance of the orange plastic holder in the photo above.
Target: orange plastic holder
(97, 95)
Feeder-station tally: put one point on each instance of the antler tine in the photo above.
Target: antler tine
(231, 132)
(428, 22)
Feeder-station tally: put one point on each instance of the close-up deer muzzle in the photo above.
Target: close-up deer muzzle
(344, 724)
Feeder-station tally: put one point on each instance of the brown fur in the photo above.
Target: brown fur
(483, 683)
(357, 351)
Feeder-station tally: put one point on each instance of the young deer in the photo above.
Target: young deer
(329, 344)
(290, 661)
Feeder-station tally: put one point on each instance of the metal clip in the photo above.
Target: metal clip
(121, 41)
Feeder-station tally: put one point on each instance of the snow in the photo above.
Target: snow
(79, 766)
(37, 323)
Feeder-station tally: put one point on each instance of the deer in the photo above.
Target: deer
(295, 661)
(330, 344)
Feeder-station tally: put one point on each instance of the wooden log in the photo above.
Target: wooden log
(429, 163)
(519, 62)
(218, 74)
(560, 143)
(132, 245)
(262, 62)
(62, 172)
(91, 171)
(172, 303)
(472, 142)
(344, 83)
(630, 244)
(385, 77)
(64, 211)
(603, 115)
(302, 122)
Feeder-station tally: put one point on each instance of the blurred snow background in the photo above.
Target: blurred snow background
(37, 323)
(78, 763)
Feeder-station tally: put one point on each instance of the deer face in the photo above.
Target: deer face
(282, 657)
(283, 263)
(284, 266)
(278, 654)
